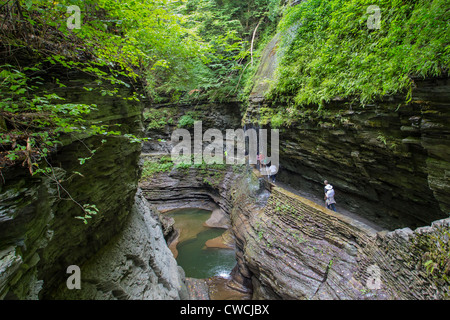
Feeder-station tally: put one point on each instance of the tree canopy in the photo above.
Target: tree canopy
(165, 50)
(334, 53)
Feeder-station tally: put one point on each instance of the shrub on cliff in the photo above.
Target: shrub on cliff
(336, 53)
(113, 44)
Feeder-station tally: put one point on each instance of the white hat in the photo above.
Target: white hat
(328, 187)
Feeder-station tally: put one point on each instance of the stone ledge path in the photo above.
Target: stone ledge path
(316, 199)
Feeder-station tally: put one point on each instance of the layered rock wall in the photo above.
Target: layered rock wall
(288, 247)
(136, 264)
(291, 248)
(388, 161)
(40, 236)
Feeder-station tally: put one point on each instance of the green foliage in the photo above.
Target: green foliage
(157, 119)
(152, 166)
(89, 211)
(188, 120)
(334, 54)
(32, 117)
(212, 173)
(221, 30)
(433, 250)
(277, 120)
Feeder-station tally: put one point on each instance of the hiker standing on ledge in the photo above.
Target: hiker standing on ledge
(329, 197)
(273, 172)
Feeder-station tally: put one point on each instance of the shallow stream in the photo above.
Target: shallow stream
(194, 257)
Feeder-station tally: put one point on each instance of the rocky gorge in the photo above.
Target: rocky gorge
(40, 237)
(388, 160)
(287, 246)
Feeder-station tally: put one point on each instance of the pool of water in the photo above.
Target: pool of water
(193, 256)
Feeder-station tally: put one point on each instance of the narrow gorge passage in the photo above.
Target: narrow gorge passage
(198, 258)
(206, 254)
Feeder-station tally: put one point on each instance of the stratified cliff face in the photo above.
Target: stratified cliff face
(40, 237)
(136, 264)
(288, 247)
(292, 248)
(388, 161)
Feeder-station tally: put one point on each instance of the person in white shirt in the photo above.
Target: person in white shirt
(329, 197)
(273, 172)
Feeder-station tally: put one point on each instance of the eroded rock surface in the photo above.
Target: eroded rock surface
(289, 247)
(136, 264)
